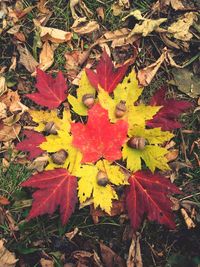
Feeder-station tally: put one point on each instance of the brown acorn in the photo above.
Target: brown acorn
(120, 109)
(88, 100)
(59, 157)
(50, 128)
(137, 143)
(102, 178)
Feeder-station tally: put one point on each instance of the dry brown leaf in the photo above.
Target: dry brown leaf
(39, 163)
(12, 100)
(74, 60)
(146, 75)
(8, 133)
(180, 29)
(7, 259)
(172, 155)
(81, 26)
(3, 109)
(26, 59)
(3, 86)
(110, 258)
(54, 35)
(73, 3)
(41, 5)
(72, 234)
(46, 56)
(4, 201)
(189, 222)
(177, 4)
(46, 263)
(13, 63)
(14, 29)
(134, 256)
(100, 13)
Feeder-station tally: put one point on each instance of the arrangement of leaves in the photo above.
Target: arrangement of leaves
(108, 139)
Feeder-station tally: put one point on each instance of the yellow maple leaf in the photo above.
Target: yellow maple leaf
(88, 186)
(129, 92)
(63, 140)
(43, 117)
(84, 88)
(152, 154)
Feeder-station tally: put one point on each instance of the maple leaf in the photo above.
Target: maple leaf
(106, 75)
(88, 186)
(43, 117)
(84, 88)
(31, 144)
(166, 118)
(56, 188)
(63, 140)
(152, 154)
(99, 138)
(51, 91)
(128, 92)
(148, 194)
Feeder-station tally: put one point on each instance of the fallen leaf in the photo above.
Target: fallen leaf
(54, 35)
(177, 4)
(148, 194)
(110, 258)
(106, 75)
(134, 255)
(46, 263)
(180, 29)
(4, 201)
(94, 140)
(186, 82)
(100, 13)
(146, 75)
(41, 5)
(31, 144)
(7, 259)
(3, 110)
(3, 86)
(55, 188)
(166, 117)
(8, 133)
(73, 3)
(46, 56)
(189, 222)
(26, 59)
(51, 91)
(82, 26)
(147, 26)
(172, 155)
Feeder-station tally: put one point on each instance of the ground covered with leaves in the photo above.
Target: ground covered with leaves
(99, 133)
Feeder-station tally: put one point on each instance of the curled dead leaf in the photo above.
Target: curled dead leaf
(54, 35)
(7, 259)
(8, 133)
(82, 26)
(3, 86)
(181, 29)
(26, 59)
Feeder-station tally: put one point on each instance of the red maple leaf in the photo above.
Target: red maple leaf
(147, 194)
(51, 91)
(106, 75)
(99, 138)
(167, 116)
(56, 188)
(31, 144)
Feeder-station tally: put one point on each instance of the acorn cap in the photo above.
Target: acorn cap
(59, 157)
(120, 109)
(137, 142)
(88, 100)
(50, 128)
(102, 178)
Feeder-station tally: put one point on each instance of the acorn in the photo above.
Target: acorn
(59, 157)
(120, 109)
(88, 100)
(50, 128)
(102, 178)
(137, 142)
